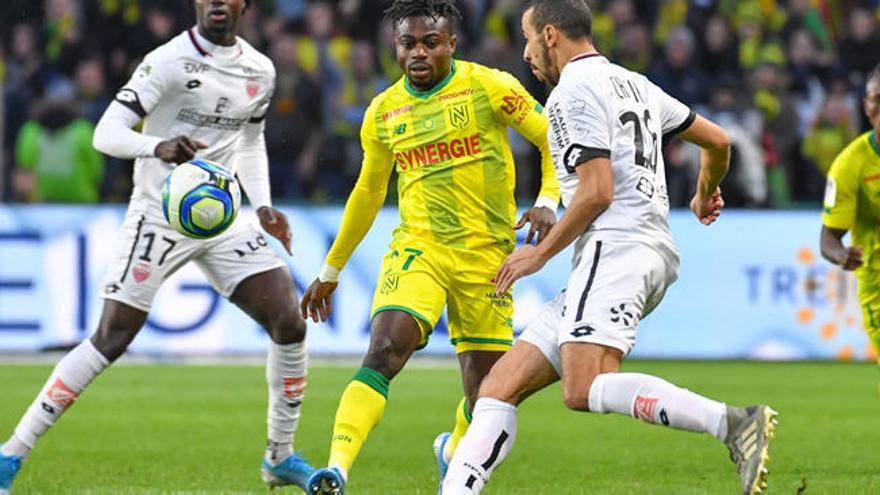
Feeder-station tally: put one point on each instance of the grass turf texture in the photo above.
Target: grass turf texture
(178, 429)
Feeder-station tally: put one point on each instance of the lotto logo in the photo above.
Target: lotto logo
(294, 386)
(643, 408)
(61, 394)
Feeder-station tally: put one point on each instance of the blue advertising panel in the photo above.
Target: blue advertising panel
(751, 286)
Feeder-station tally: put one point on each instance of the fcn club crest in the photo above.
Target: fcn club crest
(459, 115)
(390, 282)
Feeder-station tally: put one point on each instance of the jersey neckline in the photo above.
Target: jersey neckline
(585, 55)
(436, 89)
(208, 49)
(872, 140)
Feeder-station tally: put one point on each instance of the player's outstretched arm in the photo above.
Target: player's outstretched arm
(360, 212)
(833, 250)
(594, 194)
(714, 146)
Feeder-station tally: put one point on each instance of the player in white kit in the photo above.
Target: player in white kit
(606, 127)
(203, 94)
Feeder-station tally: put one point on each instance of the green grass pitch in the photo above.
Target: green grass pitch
(144, 429)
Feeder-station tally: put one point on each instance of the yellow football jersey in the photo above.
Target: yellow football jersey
(852, 197)
(450, 147)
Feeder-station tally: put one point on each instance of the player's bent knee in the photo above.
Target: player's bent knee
(576, 400)
(496, 386)
(112, 341)
(386, 356)
(576, 393)
(288, 328)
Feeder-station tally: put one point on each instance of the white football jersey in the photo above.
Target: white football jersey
(193, 88)
(600, 109)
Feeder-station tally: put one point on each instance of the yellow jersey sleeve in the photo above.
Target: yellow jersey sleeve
(515, 107)
(841, 193)
(368, 194)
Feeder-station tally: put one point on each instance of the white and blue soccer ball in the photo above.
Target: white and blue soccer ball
(200, 199)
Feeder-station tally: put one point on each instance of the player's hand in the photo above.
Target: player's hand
(178, 150)
(541, 220)
(524, 261)
(852, 258)
(708, 209)
(317, 301)
(275, 223)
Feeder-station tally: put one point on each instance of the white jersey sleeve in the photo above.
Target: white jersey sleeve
(579, 128)
(147, 85)
(675, 116)
(114, 135)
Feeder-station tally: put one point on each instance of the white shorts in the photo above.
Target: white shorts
(613, 287)
(148, 251)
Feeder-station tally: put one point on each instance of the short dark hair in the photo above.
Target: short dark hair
(435, 9)
(572, 17)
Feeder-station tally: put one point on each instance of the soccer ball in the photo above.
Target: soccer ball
(200, 199)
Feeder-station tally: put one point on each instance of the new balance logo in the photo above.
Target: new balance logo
(583, 331)
(342, 438)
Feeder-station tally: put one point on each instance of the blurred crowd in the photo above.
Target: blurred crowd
(784, 78)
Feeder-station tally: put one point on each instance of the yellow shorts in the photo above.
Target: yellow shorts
(421, 277)
(869, 300)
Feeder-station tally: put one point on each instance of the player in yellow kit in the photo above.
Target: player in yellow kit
(852, 203)
(443, 127)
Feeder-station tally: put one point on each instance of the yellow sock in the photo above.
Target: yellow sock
(462, 421)
(360, 410)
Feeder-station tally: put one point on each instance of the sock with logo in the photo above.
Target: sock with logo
(462, 421)
(360, 410)
(657, 401)
(286, 370)
(484, 447)
(69, 378)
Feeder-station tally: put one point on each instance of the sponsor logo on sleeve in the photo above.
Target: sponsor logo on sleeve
(830, 193)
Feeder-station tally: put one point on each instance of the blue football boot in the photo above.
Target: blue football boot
(294, 470)
(9, 466)
(326, 481)
(439, 447)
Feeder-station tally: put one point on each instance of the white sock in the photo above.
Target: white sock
(483, 448)
(69, 378)
(657, 401)
(286, 376)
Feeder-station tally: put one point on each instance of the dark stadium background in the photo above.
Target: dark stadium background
(784, 77)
